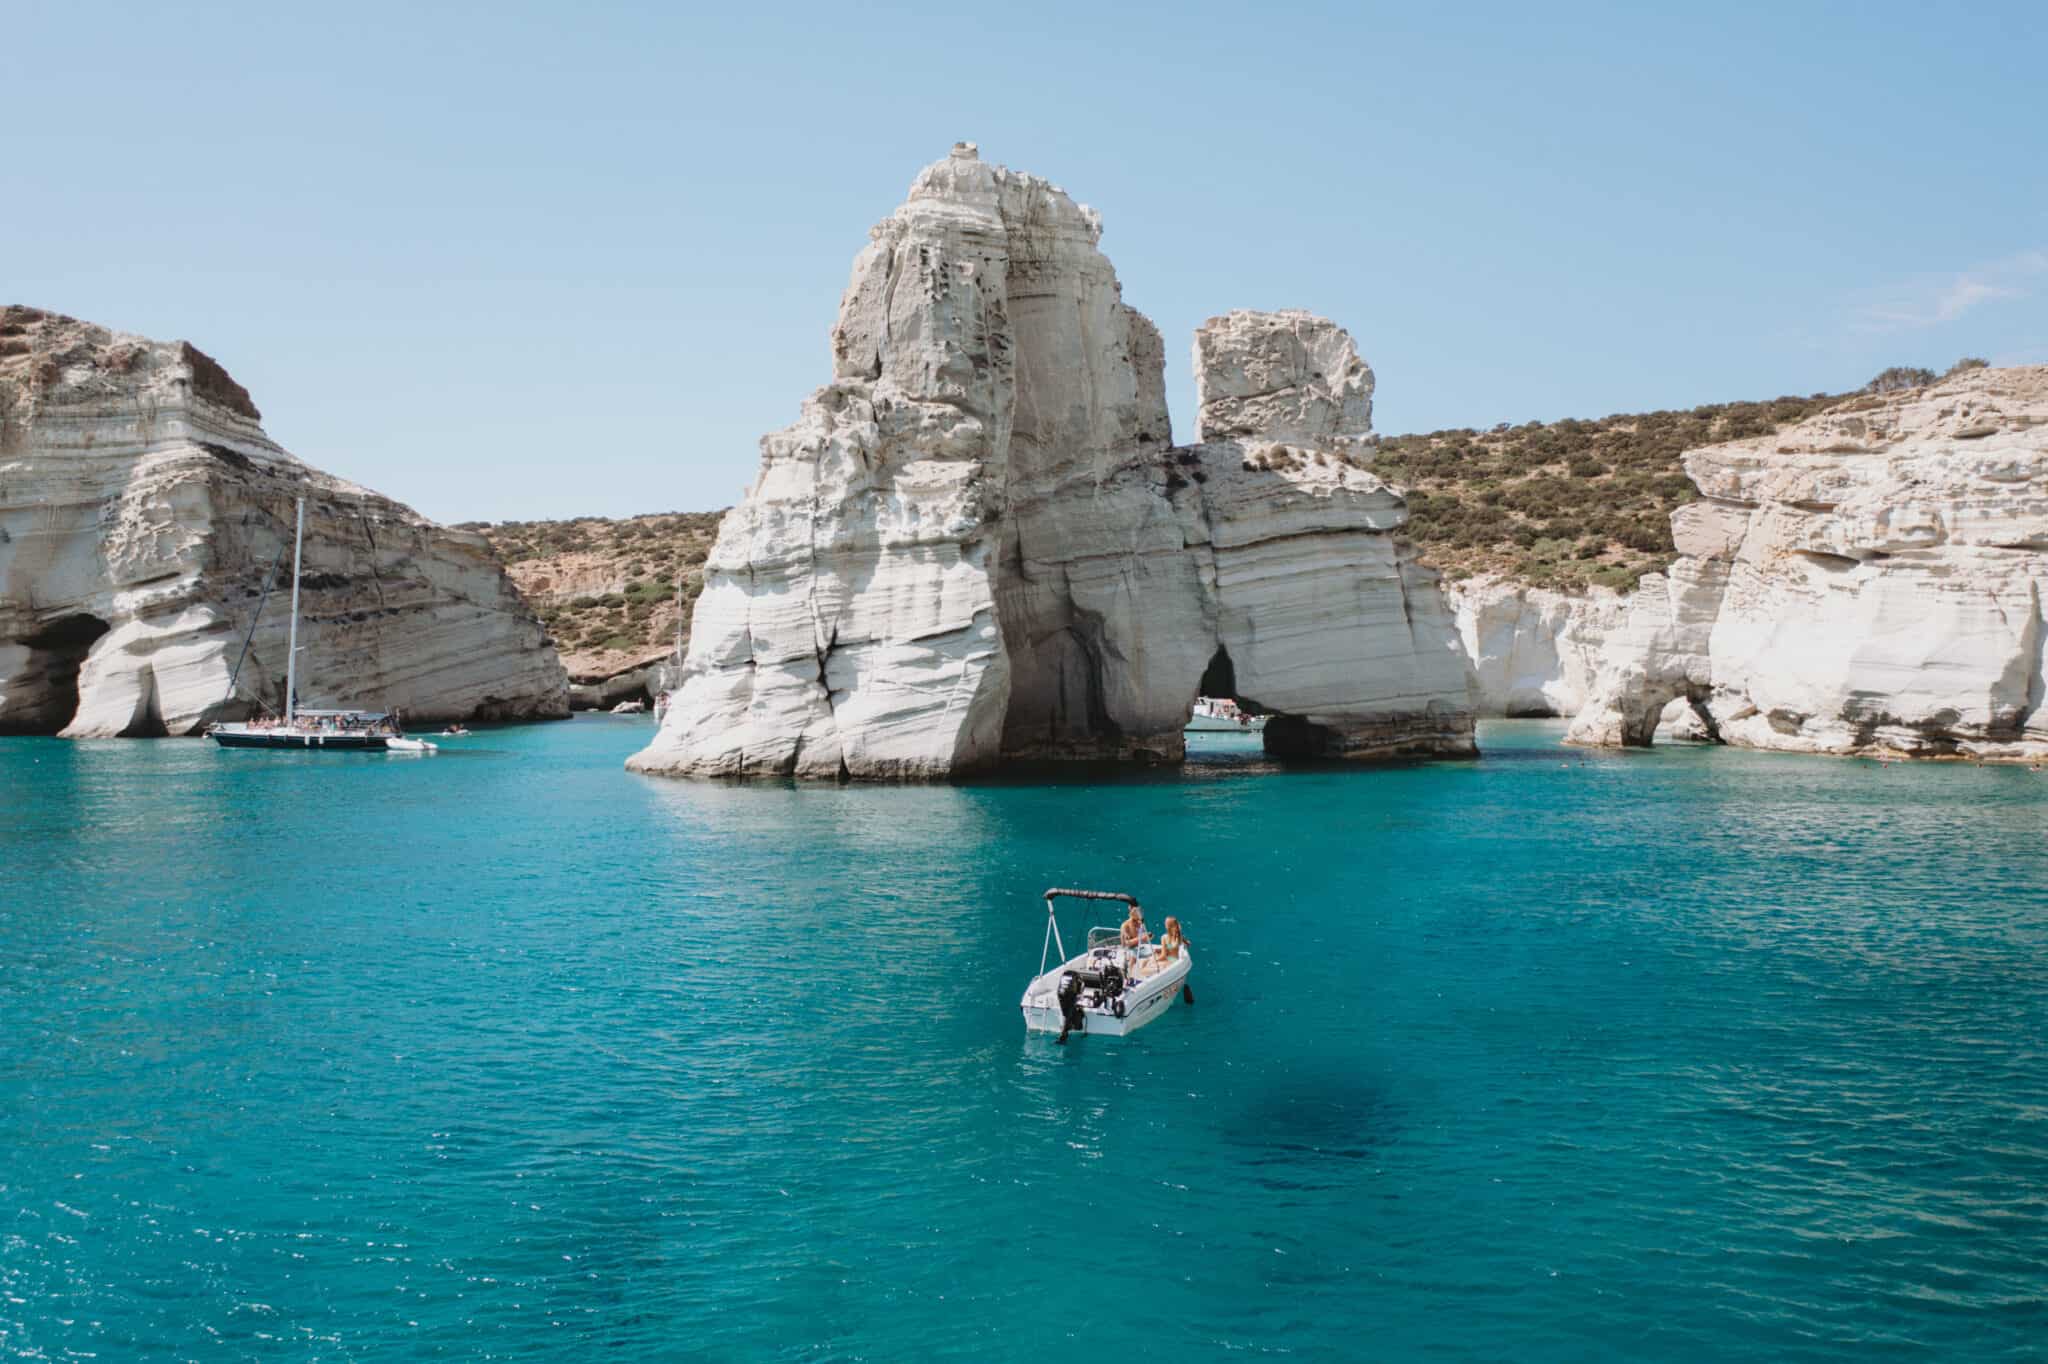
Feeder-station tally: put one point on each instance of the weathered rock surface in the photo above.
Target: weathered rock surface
(1531, 650)
(141, 507)
(607, 590)
(1683, 723)
(1870, 580)
(609, 693)
(1322, 612)
(979, 543)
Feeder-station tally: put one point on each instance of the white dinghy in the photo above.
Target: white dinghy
(1109, 989)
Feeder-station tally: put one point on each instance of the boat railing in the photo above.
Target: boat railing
(1052, 922)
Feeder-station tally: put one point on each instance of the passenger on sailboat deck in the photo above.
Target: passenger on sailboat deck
(1171, 942)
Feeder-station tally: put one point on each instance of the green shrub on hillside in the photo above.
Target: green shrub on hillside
(649, 554)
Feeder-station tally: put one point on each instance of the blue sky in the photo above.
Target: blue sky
(502, 260)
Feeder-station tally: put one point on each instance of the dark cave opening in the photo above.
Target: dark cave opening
(1219, 679)
(1281, 735)
(43, 694)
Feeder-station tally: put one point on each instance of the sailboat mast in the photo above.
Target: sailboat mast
(291, 666)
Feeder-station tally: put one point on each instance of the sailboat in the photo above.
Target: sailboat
(352, 731)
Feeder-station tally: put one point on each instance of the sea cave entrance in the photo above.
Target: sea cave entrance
(1281, 735)
(42, 695)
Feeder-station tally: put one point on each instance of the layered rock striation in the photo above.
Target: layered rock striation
(1870, 580)
(142, 507)
(978, 543)
(1532, 650)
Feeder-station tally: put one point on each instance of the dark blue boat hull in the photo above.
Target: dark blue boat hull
(339, 742)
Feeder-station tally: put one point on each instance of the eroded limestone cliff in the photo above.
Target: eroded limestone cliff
(1870, 580)
(142, 507)
(1532, 650)
(979, 543)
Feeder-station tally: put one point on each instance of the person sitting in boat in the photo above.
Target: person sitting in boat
(1133, 938)
(1171, 942)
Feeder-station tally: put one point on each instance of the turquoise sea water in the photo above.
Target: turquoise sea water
(505, 1053)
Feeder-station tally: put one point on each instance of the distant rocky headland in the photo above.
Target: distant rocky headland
(142, 508)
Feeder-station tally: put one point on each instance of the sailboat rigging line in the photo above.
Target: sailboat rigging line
(269, 579)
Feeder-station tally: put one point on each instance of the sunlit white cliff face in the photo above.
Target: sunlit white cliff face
(142, 508)
(979, 543)
(1869, 580)
(1532, 650)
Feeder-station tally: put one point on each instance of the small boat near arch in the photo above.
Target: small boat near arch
(1221, 715)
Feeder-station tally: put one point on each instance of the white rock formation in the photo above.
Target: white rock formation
(1871, 580)
(1322, 611)
(142, 506)
(1532, 650)
(1683, 723)
(978, 541)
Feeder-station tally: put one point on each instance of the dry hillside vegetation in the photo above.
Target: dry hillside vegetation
(606, 589)
(1568, 503)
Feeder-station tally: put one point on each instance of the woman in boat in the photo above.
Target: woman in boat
(1171, 943)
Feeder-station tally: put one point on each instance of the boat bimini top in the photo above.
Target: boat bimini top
(1052, 917)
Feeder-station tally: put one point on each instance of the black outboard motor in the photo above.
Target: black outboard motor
(1071, 1016)
(1107, 983)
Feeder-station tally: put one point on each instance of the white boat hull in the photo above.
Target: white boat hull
(1211, 724)
(1143, 1002)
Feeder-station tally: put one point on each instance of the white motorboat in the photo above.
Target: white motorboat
(1221, 715)
(1108, 989)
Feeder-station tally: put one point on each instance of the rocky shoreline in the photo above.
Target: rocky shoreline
(980, 545)
(952, 561)
(1868, 581)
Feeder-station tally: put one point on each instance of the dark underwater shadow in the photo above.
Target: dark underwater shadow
(1299, 1124)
